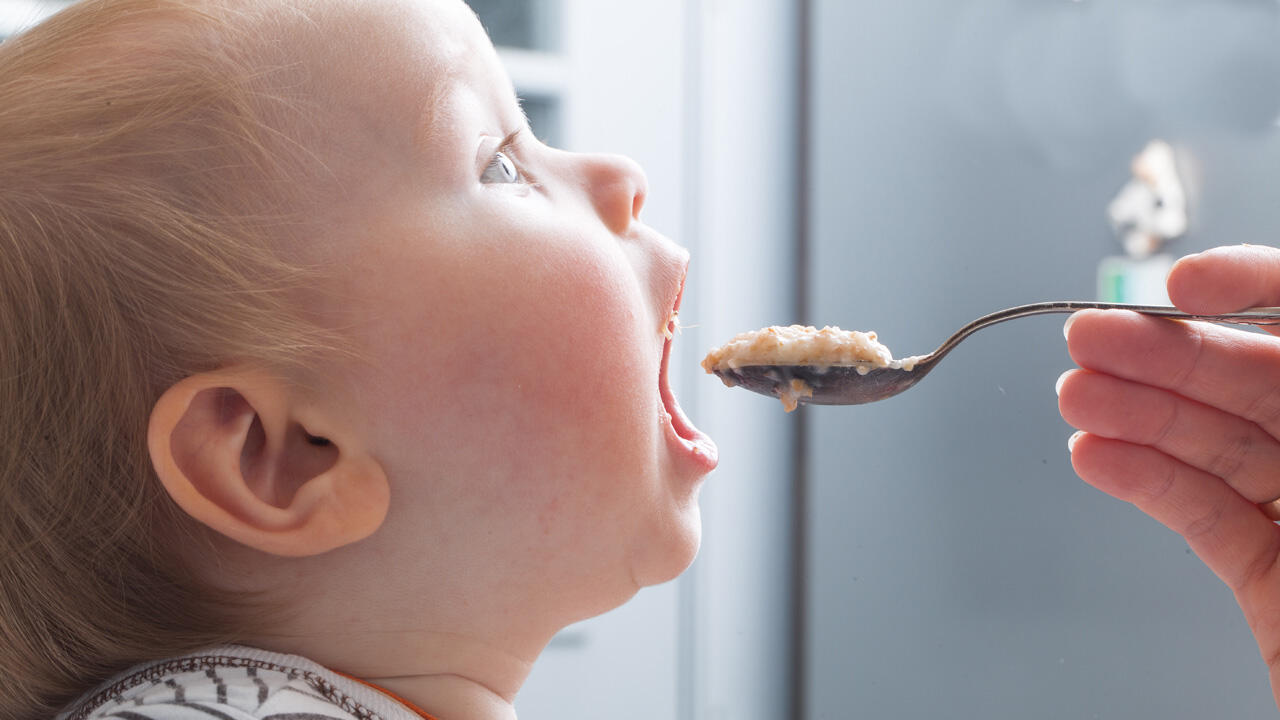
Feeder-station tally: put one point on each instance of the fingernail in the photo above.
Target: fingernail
(1071, 441)
(1066, 327)
(1057, 386)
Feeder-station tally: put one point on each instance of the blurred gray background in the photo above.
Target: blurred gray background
(963, 153)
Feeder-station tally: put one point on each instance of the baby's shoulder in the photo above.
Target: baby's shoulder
(234, 683)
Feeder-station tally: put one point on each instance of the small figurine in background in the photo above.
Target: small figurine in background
(1152, 208)
(1148, 212)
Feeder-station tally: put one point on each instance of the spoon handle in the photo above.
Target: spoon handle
(1252, 316)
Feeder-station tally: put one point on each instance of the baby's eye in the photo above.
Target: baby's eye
(501, 170)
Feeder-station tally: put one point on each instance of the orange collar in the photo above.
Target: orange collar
(397, 698)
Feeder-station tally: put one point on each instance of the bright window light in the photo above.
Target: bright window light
(18, 15)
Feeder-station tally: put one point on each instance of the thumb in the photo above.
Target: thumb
(1226, 279)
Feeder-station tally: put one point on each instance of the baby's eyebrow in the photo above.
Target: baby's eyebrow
(510, 139)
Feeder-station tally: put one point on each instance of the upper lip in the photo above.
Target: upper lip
(664, 349)
(672, 264)
(674, 307)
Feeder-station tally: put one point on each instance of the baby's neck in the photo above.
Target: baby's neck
(450, 697)
(448, 675)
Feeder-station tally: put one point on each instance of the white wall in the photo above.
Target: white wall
(746, 222)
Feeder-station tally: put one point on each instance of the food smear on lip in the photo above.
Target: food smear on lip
(673, 323)
(803, 345)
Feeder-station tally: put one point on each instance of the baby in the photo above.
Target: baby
(327, 390)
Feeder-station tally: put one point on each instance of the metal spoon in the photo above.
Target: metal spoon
(852, 385)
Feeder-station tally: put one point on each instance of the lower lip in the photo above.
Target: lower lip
(687, 439)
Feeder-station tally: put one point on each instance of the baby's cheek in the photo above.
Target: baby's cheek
(563, 341)
(582, 352)
(536, 362)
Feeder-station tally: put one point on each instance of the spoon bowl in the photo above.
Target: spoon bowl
(862, 383)
(834, 385)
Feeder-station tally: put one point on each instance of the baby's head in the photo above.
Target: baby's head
(296, 316)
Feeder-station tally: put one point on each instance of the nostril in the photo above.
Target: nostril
(617, 186)
(637, 202)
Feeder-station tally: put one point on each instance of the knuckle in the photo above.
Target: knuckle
(1272, 659)
(1206, 522)
(1229, 458)
(1258, 567)
(1167, 425)
(1189, 371)
(1264, 408)
(1160, 488)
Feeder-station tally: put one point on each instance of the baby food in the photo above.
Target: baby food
(802, 345)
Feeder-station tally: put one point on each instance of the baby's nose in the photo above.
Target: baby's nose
(617, 186)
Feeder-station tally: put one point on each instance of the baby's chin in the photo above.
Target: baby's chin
(658, 561)
(671, 552)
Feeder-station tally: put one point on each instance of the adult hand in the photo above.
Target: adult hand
(1182, 419)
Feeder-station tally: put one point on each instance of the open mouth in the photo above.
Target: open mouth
(693, 440)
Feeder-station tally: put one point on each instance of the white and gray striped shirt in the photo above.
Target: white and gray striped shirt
(234, 683)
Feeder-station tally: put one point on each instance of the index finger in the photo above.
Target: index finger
(1235, 371)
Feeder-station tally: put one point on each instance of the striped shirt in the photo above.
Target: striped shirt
(235, 683)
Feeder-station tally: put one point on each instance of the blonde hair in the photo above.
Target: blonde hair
(146, 188)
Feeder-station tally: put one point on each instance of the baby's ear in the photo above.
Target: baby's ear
(238, 453)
